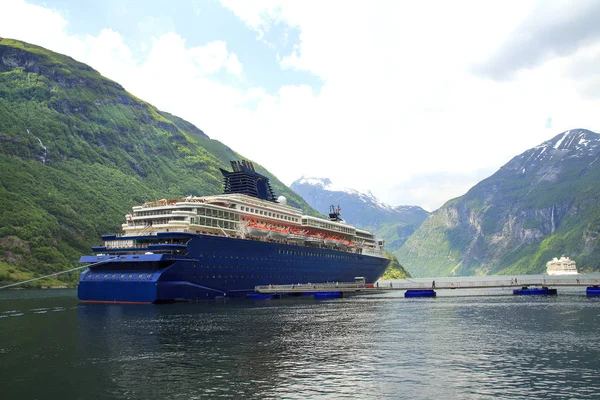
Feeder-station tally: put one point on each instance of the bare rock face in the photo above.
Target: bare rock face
(542, 203)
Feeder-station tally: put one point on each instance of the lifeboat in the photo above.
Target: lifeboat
(278, 234)
(315, 239)
(257, 230)
(331, 242)
(296, 234)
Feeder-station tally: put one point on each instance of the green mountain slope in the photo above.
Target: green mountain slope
(77, 151)
(395, 270)
(542, 204)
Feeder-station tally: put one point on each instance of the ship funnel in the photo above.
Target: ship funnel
(245, 180)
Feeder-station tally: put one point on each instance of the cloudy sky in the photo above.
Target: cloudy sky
(415, 101)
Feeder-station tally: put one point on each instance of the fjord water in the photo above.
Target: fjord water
(488, 344)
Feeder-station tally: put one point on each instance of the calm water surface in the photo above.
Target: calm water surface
(485, 345)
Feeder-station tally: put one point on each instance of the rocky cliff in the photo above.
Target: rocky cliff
(541, 204)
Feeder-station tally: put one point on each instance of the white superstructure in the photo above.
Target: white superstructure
(246, 217)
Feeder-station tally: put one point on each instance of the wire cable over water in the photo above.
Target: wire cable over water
(48, 276)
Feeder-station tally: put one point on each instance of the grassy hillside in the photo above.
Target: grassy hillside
(395, 270)
(105, 151)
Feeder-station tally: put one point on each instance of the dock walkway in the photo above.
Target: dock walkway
(407, 284)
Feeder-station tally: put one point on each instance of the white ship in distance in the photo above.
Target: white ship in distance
(561, 266)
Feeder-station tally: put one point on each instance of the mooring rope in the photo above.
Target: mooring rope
(47, 276)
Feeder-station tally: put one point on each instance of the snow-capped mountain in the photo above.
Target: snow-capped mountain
(364, 210)
(569, 145)
(543, 203)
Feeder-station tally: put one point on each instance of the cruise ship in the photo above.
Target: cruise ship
(561, 266)
(223, 246)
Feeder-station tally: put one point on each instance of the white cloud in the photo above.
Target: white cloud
(400, 96)
(214, 56)
(553, 27)
(399, 100)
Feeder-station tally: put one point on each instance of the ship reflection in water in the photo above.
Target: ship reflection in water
(240, 349)
(377, 346)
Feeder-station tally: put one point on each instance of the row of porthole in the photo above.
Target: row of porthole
(246, 276)
(279, 259)
(325, 225)
(292, 267)
(269, 214)
(92, 276)
(310, 254)
(285, 252)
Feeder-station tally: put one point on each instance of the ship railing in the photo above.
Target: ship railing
(461, 283)
(127, 246)
(438, 283)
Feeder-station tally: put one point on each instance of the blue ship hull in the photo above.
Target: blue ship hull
(214, 267)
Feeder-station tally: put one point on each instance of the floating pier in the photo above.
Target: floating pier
(593, 291)
(535, 291)
(420, 293)
(328, 295)
(536, 285)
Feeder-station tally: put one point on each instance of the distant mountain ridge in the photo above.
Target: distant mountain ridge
(543, 203)
(364, 210)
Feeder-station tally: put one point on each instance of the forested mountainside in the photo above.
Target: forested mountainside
(365, 211)
(77, 152)
(542, 204)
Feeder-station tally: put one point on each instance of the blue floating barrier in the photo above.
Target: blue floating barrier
(260, 296)
(328, 295)
(527, 291)
(420, 293)
(592, 291)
